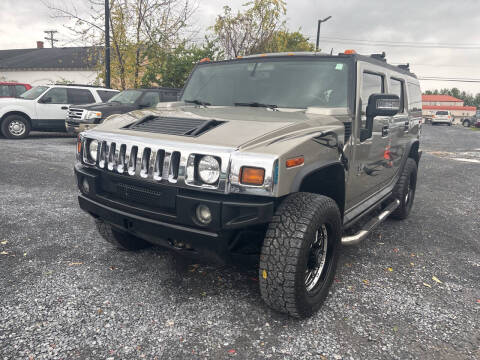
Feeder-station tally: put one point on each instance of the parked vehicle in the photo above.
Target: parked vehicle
(12, 89)
(473, 121)
(86, 117)
(44, 108)
(283, 157)
(442, 117)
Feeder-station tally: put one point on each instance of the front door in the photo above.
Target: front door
(372, 167)
(51, 110)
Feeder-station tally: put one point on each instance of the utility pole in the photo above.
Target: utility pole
(318, 31)
(107, 44)
(50, 38)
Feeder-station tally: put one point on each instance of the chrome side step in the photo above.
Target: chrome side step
(370, 226)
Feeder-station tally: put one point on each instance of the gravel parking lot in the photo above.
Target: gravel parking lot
(412, 290)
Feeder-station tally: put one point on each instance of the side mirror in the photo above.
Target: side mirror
(383, 105)
(45, 100)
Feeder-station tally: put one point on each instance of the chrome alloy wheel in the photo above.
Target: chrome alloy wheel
(316, 258)
(16, 128)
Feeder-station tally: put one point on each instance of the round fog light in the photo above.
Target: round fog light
(85, 186)
(204, 215)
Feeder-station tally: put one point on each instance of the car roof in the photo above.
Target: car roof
(12, 83)
(374, 59)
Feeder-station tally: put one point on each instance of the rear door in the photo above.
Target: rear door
(400, 125)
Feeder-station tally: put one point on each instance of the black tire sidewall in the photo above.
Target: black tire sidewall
(409, 175)
(311, 301)
(10, 118)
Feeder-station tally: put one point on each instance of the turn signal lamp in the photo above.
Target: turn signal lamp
(349, 52)
(296, 161)
(252, 175)
(79, 145)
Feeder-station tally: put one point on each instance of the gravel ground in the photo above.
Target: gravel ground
(412, 290)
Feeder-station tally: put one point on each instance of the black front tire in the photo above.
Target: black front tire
(291, 251)
(405, 190)
(121, 240)
(15, 127)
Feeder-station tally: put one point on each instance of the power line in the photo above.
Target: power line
(421, 45)
(433, 78)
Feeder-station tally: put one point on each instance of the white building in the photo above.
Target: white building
(40, 66)
(433, 103)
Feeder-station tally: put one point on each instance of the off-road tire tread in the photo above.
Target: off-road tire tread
(282, 247)
(401, 212)
(122, 241)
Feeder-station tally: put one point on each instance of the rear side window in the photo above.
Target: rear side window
(371, 84)
(106, 95)
(5, 90)
(397, 88)
(80, 96)
(414, 97)
(20, 89)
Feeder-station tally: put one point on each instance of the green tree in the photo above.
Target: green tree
(285, 41)
(244, 32)
(172, 68)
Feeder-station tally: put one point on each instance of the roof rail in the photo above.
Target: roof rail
(404, 66)
(82, 85)
(380, 57)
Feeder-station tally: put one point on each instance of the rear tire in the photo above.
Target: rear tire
(121, 240)
(15, 127)
(300, 253)
(405, 190)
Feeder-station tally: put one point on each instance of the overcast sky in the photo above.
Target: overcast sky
(361, 22)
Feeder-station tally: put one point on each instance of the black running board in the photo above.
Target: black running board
(370, 226)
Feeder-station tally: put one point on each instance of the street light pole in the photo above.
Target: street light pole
(318, 31)
(107, 44)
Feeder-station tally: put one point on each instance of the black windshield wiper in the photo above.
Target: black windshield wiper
(256, 104)
(198, 102)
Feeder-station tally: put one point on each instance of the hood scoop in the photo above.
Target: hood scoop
(173, 126)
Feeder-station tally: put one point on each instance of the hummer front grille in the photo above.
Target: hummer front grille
(75, 114)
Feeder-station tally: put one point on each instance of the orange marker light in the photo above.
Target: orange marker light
(79, 145)
(349, 52)
(252, 176)
(205, 60)
(296, 161)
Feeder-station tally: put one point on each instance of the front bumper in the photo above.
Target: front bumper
(76, 128)
(174, 220)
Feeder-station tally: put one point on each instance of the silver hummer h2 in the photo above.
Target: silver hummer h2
(286, 157)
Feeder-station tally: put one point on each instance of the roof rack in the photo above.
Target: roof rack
(380, 57)
(82, 85)
(404, 66)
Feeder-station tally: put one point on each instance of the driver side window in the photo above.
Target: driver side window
(55, 96)
(371, 84)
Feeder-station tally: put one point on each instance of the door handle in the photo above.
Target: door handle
(64, 107)
(407, 125)
(385, 130)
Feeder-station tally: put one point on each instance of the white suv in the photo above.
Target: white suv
(44, 108)
(442, 117)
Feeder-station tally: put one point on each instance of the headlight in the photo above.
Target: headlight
(93, 115)
(209, 169)
(92, 149)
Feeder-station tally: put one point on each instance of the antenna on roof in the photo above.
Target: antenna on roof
(379, 56)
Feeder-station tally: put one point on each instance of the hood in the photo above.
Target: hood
(238, 127)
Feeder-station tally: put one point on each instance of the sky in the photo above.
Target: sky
(368, 26)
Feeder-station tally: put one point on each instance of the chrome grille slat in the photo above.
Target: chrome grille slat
(132, 162)
(112, 156)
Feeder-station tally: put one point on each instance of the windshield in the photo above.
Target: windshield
(34, 92)
(270, 82)
(126, 97)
